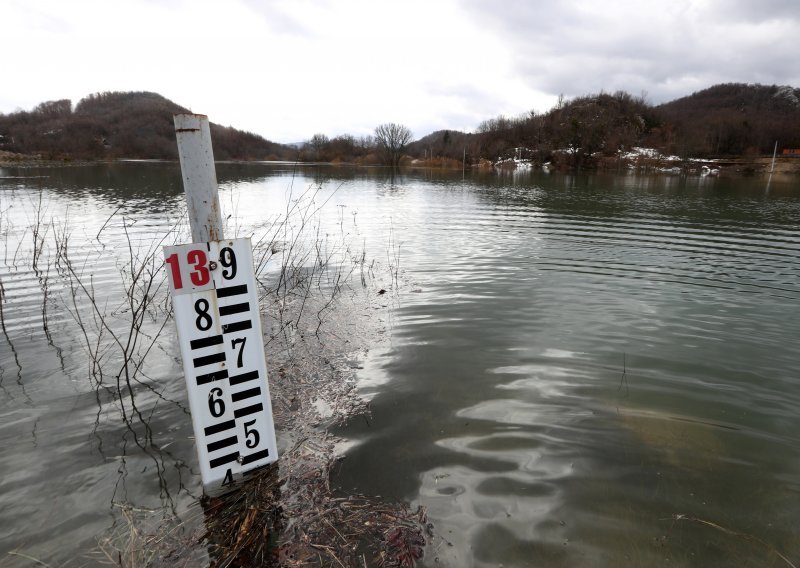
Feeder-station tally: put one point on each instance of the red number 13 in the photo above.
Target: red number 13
(200, 276)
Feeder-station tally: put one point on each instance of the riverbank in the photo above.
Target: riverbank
(14, 160)
(745, 166)
(649, 161)
(641, 160)
(10, 159)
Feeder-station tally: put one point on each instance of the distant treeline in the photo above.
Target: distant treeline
(722, 121)
(119, 125)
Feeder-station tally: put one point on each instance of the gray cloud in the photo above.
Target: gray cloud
(668, 50)
(755, 12)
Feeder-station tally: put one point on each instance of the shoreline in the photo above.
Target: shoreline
(740, 166)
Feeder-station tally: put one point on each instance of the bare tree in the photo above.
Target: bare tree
(391, 139)
(318, 145)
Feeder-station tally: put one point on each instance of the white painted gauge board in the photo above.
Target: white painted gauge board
(215, 299)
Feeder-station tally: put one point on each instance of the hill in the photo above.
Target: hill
(118, 125)
(448, 143)
(569, 134)
(730, 120)
(734, 119)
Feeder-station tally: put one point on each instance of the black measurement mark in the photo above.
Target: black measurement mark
(242, 395)
(243, 378)
(231, 291)
(234, 309)
(211, 377)
(222, 460)
(206, 342)
(237, 326)
(209, 359)
(255, 456)
(219, 427)
(219, 444)
(239, 412)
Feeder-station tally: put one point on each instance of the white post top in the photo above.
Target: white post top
(199, 176)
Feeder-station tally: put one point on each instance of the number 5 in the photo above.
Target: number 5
(251, 442)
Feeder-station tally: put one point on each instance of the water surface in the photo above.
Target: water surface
(593, 371)
(579, 370)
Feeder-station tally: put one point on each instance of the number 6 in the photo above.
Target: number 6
(216, 405)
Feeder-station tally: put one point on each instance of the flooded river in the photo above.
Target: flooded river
(596, 370)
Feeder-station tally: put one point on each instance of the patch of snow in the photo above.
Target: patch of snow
(638, 152)
(518, 163)
(787, 93)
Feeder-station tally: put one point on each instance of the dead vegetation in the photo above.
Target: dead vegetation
(320, 313)
(321, 310)
(289, 516)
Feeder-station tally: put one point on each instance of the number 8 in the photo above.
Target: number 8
(203, 321)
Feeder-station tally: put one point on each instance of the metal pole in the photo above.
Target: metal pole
(772, 169)
(199, 176)
(774, 152)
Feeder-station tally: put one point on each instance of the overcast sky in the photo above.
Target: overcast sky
(290, 69)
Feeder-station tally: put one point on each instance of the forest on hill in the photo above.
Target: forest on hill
(728, 120)
(119, 125)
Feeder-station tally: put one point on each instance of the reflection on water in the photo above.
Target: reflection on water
(78, 428)
(580, 370)
(598, 371)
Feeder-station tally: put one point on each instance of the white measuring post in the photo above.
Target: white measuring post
(215, 299)
(199, 176)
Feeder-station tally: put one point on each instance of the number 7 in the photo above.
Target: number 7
(241, 341)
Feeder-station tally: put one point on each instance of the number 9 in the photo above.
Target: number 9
(228, 260)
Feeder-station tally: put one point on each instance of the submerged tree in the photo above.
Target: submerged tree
(391, 139)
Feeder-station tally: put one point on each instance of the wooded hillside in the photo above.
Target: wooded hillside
(733, 119)
(119, 125)
(723, 121)
(728, 120)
